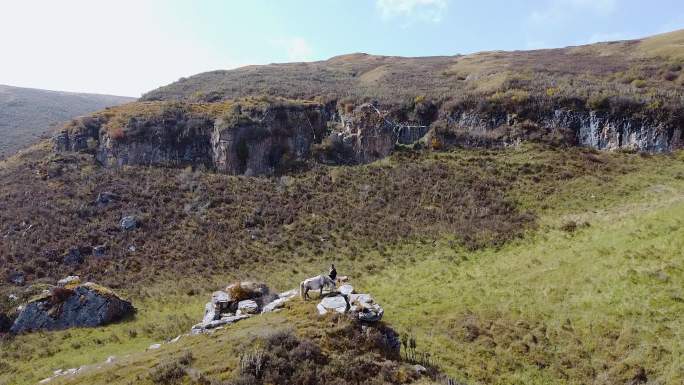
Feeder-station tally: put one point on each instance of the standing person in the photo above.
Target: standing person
(333, 273)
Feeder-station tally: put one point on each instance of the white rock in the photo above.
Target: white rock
(289, 293)
(154, 347)
(110, 359)
(277, 304)
(361, 298)
(72, 279)
(173, 341)
(346, 289)
(58, 372)
(224, 321)
(209, 312)
(220, 297)
(71, 371)
(45, 380)
(321, 309)
(337, 303)
(420, 369)
(248, 307)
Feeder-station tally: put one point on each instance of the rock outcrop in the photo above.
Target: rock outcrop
(276, 136)
(599, 129)
(243, 137)
(240, 301)
(268, 140)
(362, 306)
(72, 305)
(251, 137)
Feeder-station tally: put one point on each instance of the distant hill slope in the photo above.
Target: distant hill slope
(644, 69)
(27, 114)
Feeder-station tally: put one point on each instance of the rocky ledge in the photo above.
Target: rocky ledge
(72, 304)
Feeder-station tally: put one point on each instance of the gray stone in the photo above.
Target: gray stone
(70, 280)
(210, 313)
(366, 307)
(74, 257)
(321, 309)
(420, 369)
(346, 289)
(248, 307)
(129, 222)
(99, 251)
(277, 304)
(336, 303)
(220, 297)
(17, 278)
(154, 347)
(224, 321)
(87, 305)
(371, 313)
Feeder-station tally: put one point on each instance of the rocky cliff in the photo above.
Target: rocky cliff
(251, 137)
(273, 136)
(638, 129)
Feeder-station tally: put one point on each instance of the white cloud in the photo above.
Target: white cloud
(118, 47)
(297, 48)
(422, 10)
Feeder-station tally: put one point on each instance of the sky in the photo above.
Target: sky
(128, 47)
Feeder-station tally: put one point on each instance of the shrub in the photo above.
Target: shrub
(639, 83)
(171, 372)
(598, 102)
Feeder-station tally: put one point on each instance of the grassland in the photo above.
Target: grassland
(588, 292)
(644, 72)
(28, 115)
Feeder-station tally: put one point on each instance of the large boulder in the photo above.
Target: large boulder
(363, 306)
(248, 306)
(336, 303)
(238, 301)
(86, 305)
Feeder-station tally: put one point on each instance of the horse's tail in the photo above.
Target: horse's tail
(301, 289)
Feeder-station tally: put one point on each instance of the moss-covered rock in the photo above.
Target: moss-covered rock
(86, 305)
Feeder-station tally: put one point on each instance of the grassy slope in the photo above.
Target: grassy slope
(26, 114)
(648, 70)
(600, 302)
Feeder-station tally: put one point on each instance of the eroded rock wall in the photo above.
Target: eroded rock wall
(597, 129)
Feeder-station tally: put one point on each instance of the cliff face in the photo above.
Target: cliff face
(601, 130)
(255, 137)
(269, 140)
(233, 138)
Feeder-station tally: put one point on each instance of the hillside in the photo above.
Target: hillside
(27, 115)
(648, 69)
(517, 214)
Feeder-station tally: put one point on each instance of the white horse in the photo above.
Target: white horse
(315, 283)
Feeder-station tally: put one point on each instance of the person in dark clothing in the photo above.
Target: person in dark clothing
(333, 273)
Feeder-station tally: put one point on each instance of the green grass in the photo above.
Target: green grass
(600, 302)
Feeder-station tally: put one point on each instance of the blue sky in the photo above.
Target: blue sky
(128, 47)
